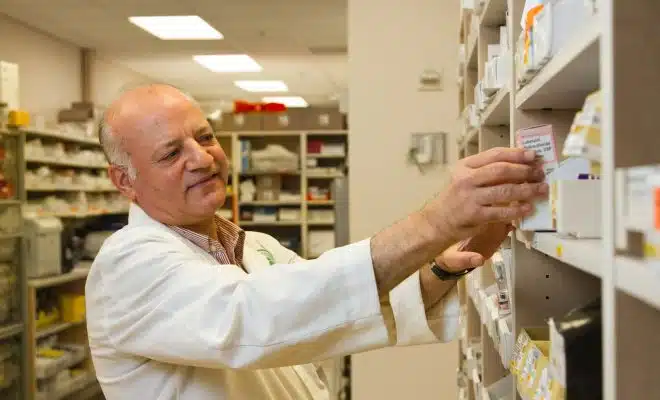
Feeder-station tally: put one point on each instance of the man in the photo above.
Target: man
(182, 304)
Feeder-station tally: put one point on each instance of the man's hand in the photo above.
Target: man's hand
(467, 254)
(475, 251)
(496, 186)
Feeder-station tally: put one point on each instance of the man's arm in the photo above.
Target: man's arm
(496, 186)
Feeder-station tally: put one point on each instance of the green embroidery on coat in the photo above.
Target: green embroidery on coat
(269, 256)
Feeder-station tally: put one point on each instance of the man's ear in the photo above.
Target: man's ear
(122, 181)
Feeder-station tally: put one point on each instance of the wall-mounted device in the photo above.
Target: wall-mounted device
(427, 149)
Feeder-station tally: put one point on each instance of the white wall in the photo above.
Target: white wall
(390, 45)
(50, 70)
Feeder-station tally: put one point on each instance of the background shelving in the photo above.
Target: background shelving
(300, 209)
(552, 274)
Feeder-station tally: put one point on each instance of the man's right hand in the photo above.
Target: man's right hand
(498, 185)
(495, 186)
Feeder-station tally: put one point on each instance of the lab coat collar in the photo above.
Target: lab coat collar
(137, 216)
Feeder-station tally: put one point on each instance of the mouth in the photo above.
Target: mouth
(205, 180)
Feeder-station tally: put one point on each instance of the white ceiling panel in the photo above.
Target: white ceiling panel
(302, 42)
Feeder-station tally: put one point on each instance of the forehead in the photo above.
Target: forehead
(148, 121)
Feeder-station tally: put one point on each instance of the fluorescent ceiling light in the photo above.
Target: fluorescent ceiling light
(228, 63)
(289, 101)
(177, 27)
(262, 86)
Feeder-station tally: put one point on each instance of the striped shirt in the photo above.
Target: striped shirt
(227, 250)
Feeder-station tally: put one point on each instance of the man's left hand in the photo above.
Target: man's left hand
(475, 251)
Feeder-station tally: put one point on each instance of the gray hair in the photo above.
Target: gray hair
(112, 148)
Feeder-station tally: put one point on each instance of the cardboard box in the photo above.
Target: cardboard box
(290, 120)
(320, 118)
(241, 122)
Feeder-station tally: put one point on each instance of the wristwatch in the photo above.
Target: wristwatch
(446, 275)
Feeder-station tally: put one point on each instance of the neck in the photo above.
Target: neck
(206, 228)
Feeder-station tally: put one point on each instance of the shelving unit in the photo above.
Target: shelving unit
(29, 191)
(552, 274)
(13, 348)
(297, 181)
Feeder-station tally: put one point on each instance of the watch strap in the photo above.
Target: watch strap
(446, 275)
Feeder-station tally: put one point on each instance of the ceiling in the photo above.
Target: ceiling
(302, 42)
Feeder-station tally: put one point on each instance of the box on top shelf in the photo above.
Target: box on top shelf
(241, 122)
(290, 120)
(320, 118)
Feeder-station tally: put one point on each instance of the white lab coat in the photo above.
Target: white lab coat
(166, 321)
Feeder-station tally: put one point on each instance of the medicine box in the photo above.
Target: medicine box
(637, 211)
(559, 22)
(578, 208)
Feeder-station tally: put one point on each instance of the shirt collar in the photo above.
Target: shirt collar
(229, 247)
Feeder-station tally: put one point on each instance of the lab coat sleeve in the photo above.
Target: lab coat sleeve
(413, 325)
(170, 306)
(405, 316)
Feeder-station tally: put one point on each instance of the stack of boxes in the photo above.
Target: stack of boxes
(293, 119)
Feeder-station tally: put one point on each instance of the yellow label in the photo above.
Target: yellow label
(559, 250)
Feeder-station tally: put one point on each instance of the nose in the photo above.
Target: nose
(199, 157)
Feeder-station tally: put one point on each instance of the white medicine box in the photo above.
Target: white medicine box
(556, 25)
(637, 211)
(43, 246)
(578, 208)
(9, 88)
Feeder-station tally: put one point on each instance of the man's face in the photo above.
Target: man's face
(181, 170)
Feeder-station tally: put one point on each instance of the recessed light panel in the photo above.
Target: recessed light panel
(262, 86)
(228, 63)
(177, 27)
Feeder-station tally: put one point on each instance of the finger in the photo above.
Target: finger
(463, 260)
(504, 172)
(499, 154)
(506, 213)
(507, 193)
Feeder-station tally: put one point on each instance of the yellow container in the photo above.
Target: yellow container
(18, 118)
(72, 307)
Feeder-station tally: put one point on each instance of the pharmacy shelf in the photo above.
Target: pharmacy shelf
(326, 156)
(264, 203)
(324, 176)
(320, 223)
(472, 52)
(81, 214)
(269, 223)
(7, 236)
(63, 163)
(472, 136)
(70, 189)
(494, 13)
(76, 274)
(569, 76)
(268, 172)
(7, 331)
(499, 110)
(583, 254)
(638, 279)
(320, 202)
(9, 202)
(318, 132)
(53, 329)
(56, 134)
